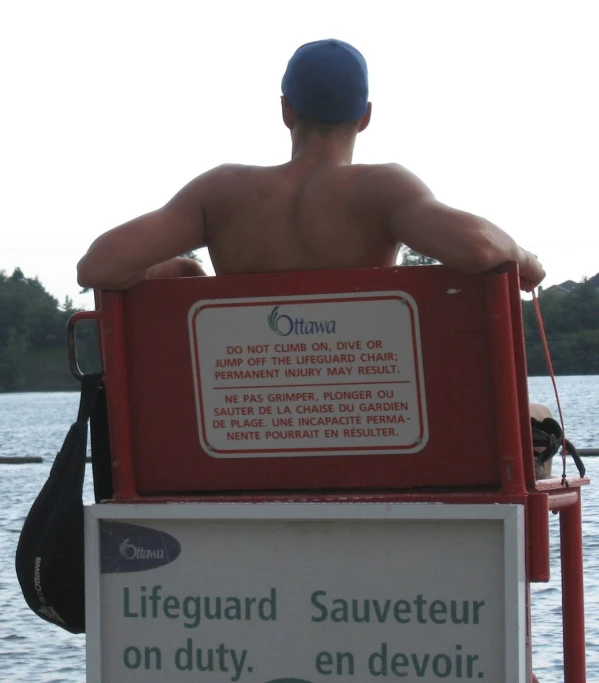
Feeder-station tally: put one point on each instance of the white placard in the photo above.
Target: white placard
(305, 593)
(335, 374)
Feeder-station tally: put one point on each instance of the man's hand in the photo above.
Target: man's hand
(179, 266)
(531, 272)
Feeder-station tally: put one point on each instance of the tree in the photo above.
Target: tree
(410, 257)
(67, 305)
(192, 255)
(13, 359)
(571, 323)
(32, 335)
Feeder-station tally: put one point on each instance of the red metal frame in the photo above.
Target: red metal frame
(573, 592)
(485, 455)
(156, 449)
(503, 364)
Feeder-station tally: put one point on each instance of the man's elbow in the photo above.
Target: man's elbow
(93, 275)
(86, 277)
(487, 256)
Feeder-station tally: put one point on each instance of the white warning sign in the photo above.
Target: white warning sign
(334, 374)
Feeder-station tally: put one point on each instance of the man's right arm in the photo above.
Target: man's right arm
(460, 240)
(148, 246)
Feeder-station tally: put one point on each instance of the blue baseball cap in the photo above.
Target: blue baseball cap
(327, 81)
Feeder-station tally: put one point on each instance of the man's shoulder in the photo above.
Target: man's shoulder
(217, 186)
(391, 181)
(391, 171)
(211, 184)
(226, 171)
(229, 169)
(227, 174)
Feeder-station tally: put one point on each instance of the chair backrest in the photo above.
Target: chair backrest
(379, 379)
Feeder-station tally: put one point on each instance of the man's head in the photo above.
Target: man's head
(326, 82)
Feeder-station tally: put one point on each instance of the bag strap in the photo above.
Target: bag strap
(90, 385)
(100, 449)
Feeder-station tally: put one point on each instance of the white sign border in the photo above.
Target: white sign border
(267, 300)
(514, 573)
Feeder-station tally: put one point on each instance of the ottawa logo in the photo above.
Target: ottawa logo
(284, 325)
(126, 547)
(135, 552)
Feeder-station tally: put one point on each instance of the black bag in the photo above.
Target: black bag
(50, 554)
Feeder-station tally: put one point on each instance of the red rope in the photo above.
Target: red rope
(552, 375)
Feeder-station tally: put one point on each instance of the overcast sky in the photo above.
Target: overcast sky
(108, 108)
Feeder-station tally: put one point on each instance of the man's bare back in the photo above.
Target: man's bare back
(296, 217)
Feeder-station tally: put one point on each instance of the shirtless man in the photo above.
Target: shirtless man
(317, 211)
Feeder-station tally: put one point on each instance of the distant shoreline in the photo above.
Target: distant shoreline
(75, 389)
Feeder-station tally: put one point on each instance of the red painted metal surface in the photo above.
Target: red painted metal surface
(503, 390)
(563, 498)
(520, 360)
(116, 379)
(573, 592)
(537, 536)
(157, 388)
(479, 448)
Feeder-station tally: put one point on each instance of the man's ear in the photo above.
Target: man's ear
(365, 120)
(289, 116)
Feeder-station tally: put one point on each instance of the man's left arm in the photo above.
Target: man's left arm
(148, 246)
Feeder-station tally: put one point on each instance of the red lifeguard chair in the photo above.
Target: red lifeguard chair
(356, 391)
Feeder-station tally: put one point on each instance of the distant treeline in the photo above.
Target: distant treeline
(571, 322)
(33, 352)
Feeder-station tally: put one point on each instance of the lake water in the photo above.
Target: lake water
(35, 424)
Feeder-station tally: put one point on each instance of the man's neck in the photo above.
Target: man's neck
(321, 150)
